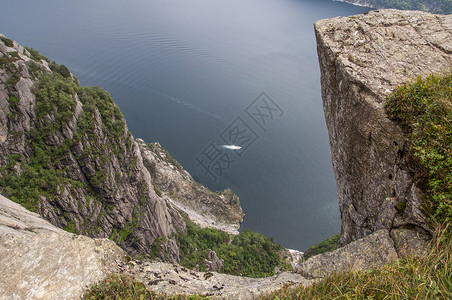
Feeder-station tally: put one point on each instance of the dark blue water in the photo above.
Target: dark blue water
(183, 71)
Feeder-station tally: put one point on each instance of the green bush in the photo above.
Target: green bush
(424, 110)
(35, 55)
(60, 69)
(327, 245)
(247, 254)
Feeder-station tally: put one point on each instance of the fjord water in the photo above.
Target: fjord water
(183, 71)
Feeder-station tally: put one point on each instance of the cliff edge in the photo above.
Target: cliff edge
(41, 261)
(363, 59)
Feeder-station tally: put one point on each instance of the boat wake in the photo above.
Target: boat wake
(231, 147)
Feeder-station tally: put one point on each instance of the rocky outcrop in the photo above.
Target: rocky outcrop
(363, 59)
(220, 210)
(213, 262)
(173, 279)
(66, 153)
(41, 261)
(374, 250)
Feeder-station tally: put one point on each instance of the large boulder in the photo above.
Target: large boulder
(374, 250)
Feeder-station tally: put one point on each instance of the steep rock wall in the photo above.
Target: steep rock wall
(363, 59)
(68, 148)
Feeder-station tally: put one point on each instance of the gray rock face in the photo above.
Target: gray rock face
(363, 59)
(374, 250)
(40, 261)
(220, 210)
(172, 279)
(213, 262)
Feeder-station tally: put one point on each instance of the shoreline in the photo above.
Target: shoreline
(355, 3)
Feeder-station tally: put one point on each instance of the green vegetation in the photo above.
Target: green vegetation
(42, 172)
(157, 191)
(433, 6)
(327, 245)
(248, 254)
(35, 55)
(424, 110)
(6, 41)
(167, 156)
(60, 69)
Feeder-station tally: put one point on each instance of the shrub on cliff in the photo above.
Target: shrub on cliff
(424, 110)
(327, 245)
(248, 254)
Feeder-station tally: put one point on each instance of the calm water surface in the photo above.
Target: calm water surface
(183, 70)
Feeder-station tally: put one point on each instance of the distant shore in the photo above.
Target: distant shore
(357, 3)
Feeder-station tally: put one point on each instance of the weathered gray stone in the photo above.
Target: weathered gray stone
(172, 279)
(41, 261)
(374, 250)
(363, 59)
(220, 210)
(213, 262)
(408, 241)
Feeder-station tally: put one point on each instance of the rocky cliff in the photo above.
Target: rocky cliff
(362, 60)
(66, 153)
(41, 261)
